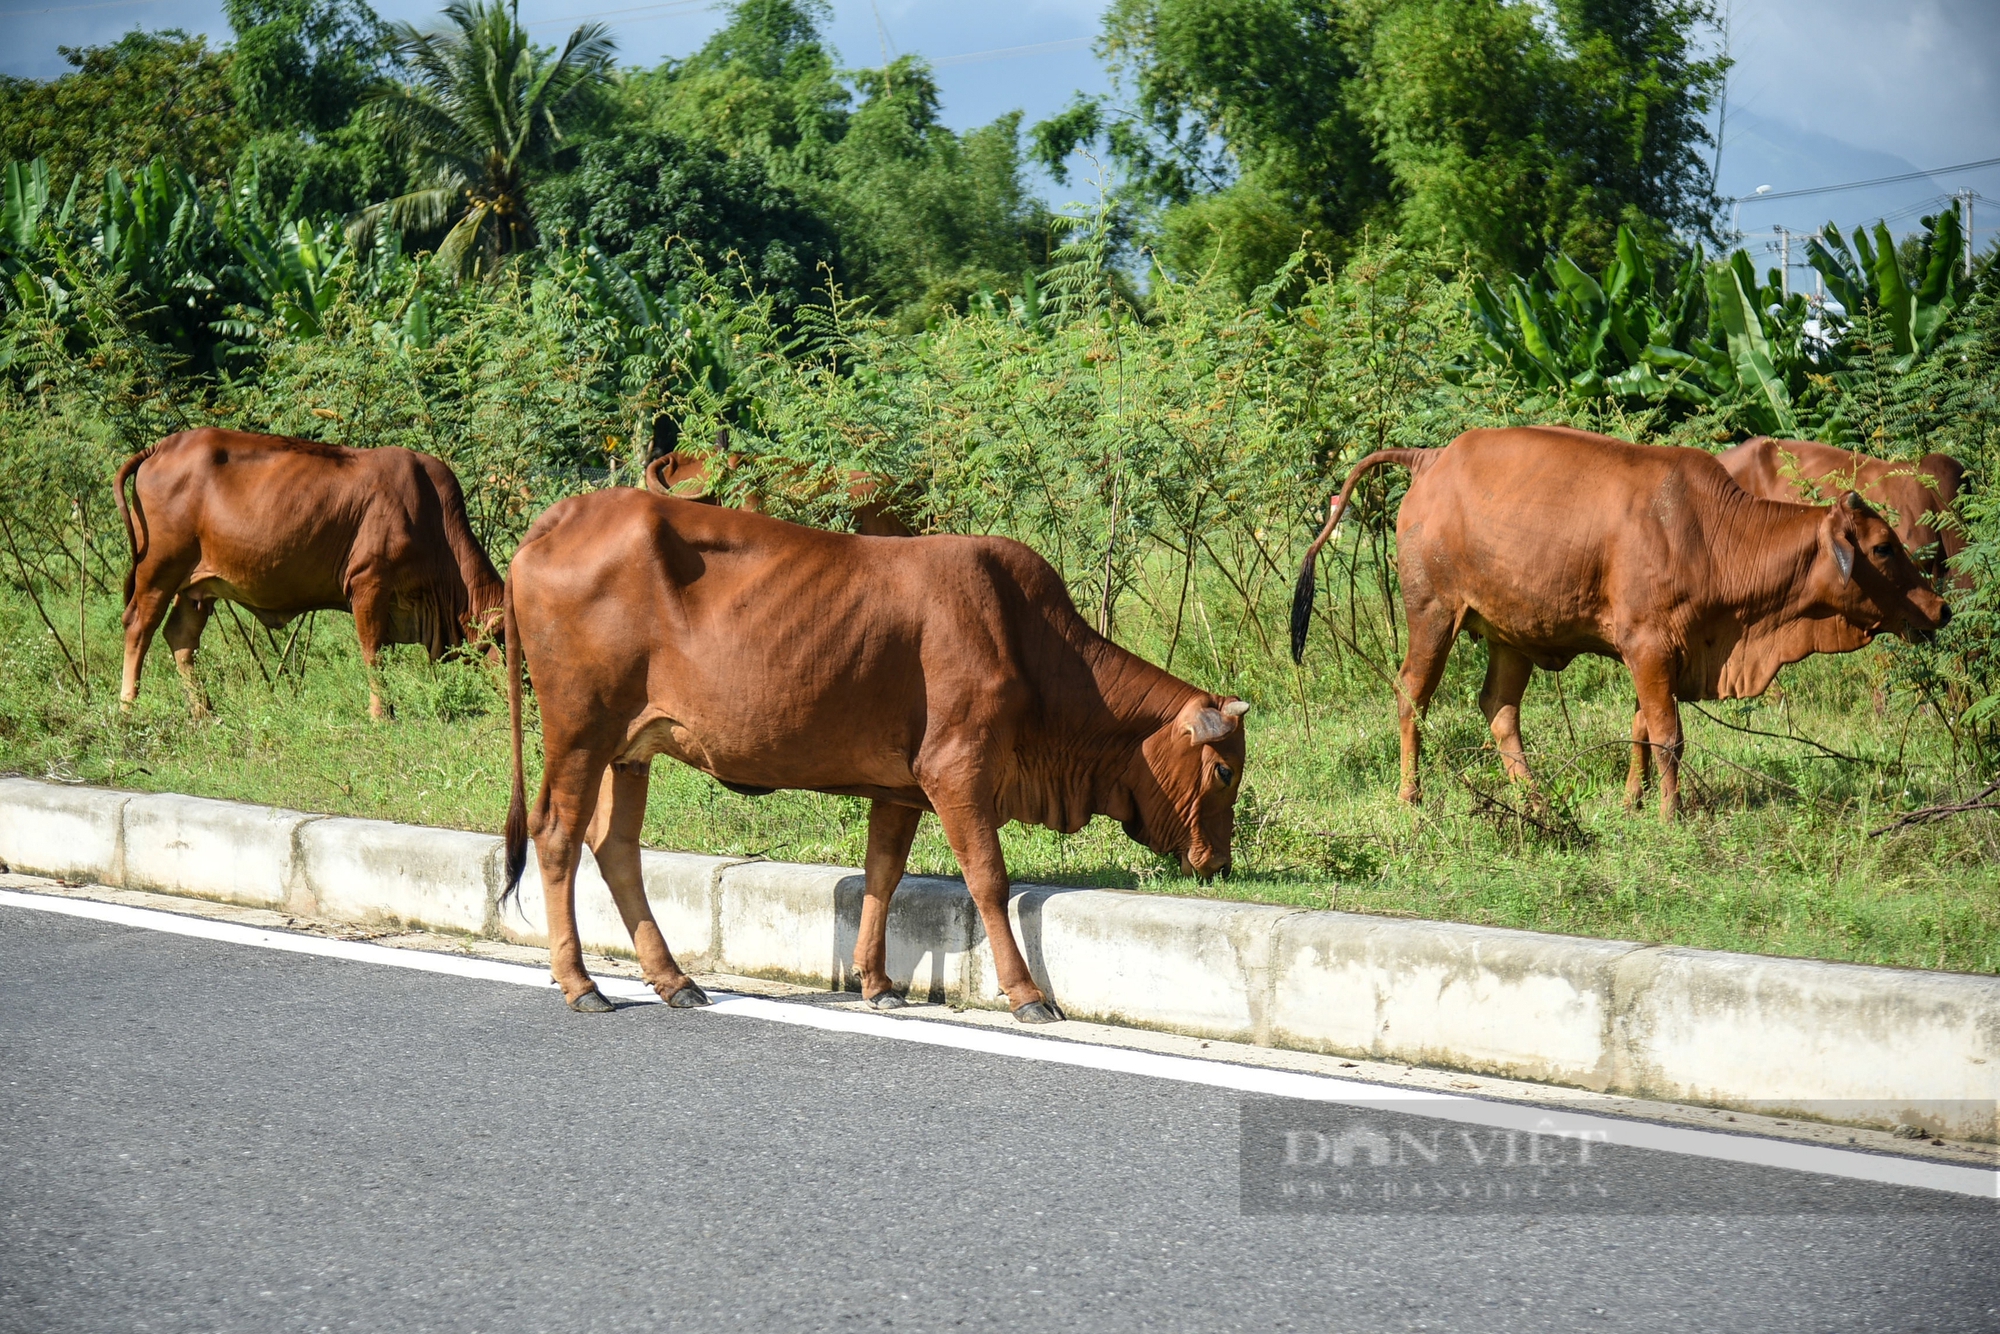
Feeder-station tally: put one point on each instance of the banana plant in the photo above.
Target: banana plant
(1870, 277)
(292, 273)
(26, 212)
(1563, 332)
(1711, 334)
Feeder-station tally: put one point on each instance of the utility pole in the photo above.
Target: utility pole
(1784, 261)
(882, 36)
(1965, 204)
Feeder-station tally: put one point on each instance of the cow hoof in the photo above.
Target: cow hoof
(592, 1002)
(1039, 1012)
(888, 1000)
(689, 997)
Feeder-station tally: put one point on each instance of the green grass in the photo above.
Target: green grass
(1773, 858)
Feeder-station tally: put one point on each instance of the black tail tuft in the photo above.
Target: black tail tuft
(1303, 593)
(517, 847)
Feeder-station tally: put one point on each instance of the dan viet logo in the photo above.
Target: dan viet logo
(1303, 1159)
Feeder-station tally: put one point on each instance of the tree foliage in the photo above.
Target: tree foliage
(1496, 128)
(147, 95)
(481, 116)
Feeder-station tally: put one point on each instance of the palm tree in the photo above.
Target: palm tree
(479, 115)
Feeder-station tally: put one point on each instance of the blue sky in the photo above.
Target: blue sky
(1824, 91)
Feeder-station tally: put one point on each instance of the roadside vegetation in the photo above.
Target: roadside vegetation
(1134, 387)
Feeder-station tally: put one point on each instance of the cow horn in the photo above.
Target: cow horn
(1854, 502)
(1236, 708)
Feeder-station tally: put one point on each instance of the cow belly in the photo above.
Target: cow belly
(274, 607)
(1549, 647)
(822, 764)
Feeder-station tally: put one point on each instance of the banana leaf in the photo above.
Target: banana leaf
(1733, 304)
(1892, 294)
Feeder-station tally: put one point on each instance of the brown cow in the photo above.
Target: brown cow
(689, 477)
(1920, 493)
(946, 674)
(285, 526)
(1549, 542)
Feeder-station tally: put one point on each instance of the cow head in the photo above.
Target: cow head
(1185, 781)
(1865, 574)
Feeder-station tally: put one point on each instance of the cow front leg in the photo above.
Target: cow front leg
(1508, 672)
(1642, 761)
(184, 626)
(975, 840)
(562, 814)
(371, 625)
(891, 830)
(1660, 714)
(614, 838)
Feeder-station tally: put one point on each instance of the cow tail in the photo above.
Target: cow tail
(1306, 589)
(135, 528)
(517, 807)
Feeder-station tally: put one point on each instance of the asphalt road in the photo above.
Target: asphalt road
(199, 1136)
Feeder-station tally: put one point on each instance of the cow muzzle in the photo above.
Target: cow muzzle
(1205, 866)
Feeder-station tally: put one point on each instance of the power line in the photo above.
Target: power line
(664, 9)
(665, 6)
(1006, 52)
(71, 9)
(1859, 185)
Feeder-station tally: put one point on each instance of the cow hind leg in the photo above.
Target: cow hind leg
(183, 631)
(614, 839)
(143, 615)
(1423, 667)
(891, 830)
(558, 825)
(1508, 672)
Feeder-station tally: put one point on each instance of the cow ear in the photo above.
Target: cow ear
(1204, 723)
(1843, 556)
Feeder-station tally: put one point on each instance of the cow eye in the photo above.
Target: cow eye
(1223, 775)
(1882, 551)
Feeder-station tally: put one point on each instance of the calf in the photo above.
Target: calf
(945, 674)
(1548, 543)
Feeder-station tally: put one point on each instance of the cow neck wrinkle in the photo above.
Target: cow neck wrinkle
(1139, 699)
(1142, 698)
(1764, 550)
(483, 587)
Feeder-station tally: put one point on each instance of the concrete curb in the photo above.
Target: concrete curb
(1788, 1037)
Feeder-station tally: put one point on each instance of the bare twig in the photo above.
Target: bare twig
(1932, 814)
(28, 583)
(255, 656)
(1828, 751)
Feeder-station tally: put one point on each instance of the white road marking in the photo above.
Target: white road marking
(1881, 1169)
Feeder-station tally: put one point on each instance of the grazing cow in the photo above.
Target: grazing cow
(946, 674)
(285, 526)
(1920, 493)
(689, 477)
(1549, 542)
